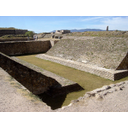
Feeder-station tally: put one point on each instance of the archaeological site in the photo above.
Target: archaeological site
(62, 68)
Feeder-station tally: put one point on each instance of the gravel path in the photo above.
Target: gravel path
(15, 98)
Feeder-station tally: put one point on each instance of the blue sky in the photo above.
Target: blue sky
(49, 23)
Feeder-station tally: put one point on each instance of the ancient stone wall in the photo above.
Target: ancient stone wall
(34, 81)
(101, 51)
(16, 39)
(17, 32)
(62, 31)
(33, 78)
(124, 64)
(53, 42)
(105, 73)
(24, 47)
(7, 32)
(12, 32)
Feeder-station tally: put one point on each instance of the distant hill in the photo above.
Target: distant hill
(83, 30)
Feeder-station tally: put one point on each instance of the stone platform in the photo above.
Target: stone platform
(93, 69)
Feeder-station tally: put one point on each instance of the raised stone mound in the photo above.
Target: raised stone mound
(47, 36)
(105, 52)
(100, 33)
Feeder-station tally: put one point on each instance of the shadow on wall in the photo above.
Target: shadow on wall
(55, 97)
(53, 102)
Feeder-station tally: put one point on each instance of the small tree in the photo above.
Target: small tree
(29, 33)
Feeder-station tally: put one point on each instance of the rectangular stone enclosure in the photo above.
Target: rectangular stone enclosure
(33, 79)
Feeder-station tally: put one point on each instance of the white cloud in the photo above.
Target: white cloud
(94, 22)
(91, 19)
(119, 23)
(114, 23)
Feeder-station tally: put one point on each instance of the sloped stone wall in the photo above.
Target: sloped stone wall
(124, 64)
(101, 51)
(102, 72)
(34, 81)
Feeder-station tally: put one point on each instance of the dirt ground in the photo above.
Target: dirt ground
(15, 98)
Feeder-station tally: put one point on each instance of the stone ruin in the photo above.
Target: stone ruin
(102, 59)
(107, 28)
(34, 79)
(58, 33)
(61, 32)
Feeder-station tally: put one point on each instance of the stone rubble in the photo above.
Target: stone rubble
(99, 94)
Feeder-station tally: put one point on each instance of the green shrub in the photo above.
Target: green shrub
(29, 33)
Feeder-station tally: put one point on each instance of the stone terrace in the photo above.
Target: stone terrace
(102, 72)
(104, 56)
(105, 52)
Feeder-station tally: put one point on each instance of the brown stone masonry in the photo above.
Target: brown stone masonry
(12, 32)
(24, 47)
(102, 72)
(34, 81)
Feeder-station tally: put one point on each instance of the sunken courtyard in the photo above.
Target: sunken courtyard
(49, 67)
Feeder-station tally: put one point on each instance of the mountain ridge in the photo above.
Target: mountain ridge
(82, 30)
